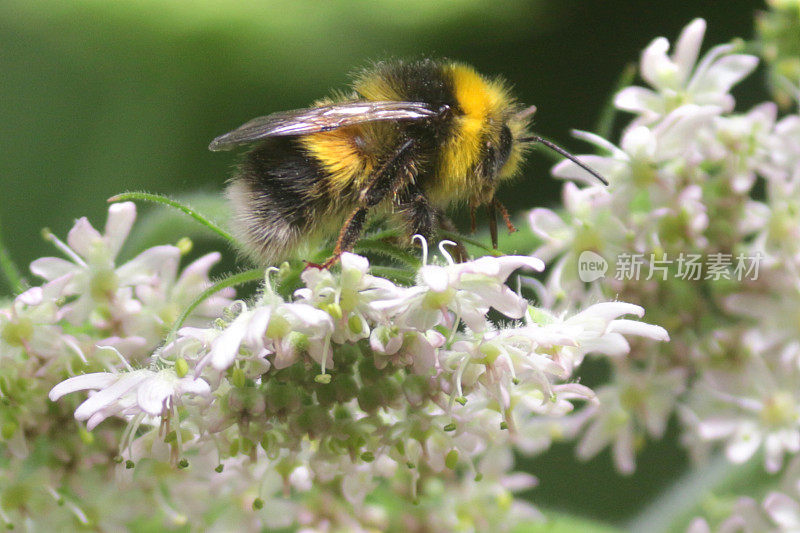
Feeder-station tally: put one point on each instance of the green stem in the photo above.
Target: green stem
(463, 239)
(675, 508)
(10, 270)
(396, 274)
(161, 199)
(247, 276)
(606, 121)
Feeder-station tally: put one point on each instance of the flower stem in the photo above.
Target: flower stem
(161, 199)
(464, 239)
(10, 270)
(606, 122)
(673, 510)
(247, 276)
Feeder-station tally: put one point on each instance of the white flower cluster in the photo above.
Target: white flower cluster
(352, 384)
(331, 395)
(89, 310)
(683, 180)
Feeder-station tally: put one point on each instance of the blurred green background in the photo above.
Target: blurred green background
(99, 97)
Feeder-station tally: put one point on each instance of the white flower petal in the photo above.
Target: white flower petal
(639, 143)
(311, 317)
(714, 428)
(678, 130)
(624, 457)
(257, 327)
(505, 301)
(687, 48)
(610, 345)
(724, 73)
(605, 166)
(510, 263)
(783, 510)
(351, 261)
(110, 394)
(434, 277)
(607, 311)
(594, 439)
(548, 225)
(51, 268)
(638, 100)
(118, 225)
(155, 262)
(152, 393)
(96, 380)
(83, 238)
(32, 296)
(642, 329)
(656, 67)
(197, 271)
(744, 444)
(96, 418)
(600, 142)
(225, 348)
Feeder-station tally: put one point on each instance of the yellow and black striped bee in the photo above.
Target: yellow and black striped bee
(412, 138)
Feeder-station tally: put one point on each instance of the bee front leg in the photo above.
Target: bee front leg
(492, 223)
(491, 208)
(506, 216)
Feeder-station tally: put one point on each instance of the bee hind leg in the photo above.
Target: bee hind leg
(347, 238)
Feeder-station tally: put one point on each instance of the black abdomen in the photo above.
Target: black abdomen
(272, 193)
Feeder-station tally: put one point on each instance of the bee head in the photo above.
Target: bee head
(502, 151)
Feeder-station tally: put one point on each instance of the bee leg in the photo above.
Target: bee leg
(473, 222)
(400, 168)
(347, 238)
(392, 175)
(506, 216)
(492, 223)
(419, 214)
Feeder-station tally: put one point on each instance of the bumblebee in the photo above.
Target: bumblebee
(410, 139)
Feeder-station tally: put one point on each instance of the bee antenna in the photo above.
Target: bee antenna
(566, 154)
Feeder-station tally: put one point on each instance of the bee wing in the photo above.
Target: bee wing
(322, 118)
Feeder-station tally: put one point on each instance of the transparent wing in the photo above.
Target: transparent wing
(323, 118)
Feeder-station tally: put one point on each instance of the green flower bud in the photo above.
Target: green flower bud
(451, 460)
(181, 367)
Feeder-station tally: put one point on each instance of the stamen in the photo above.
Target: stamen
(424, 244)
(445, 253)
(62, 246)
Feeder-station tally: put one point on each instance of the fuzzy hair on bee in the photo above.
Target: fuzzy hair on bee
(409, 140)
